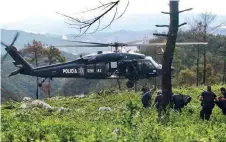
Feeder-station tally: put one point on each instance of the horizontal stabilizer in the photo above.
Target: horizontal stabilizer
(18, 64)
(15, 72)
(15, 63)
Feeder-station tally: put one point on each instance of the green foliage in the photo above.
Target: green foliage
(53, 54)
(127, 121)
(185, 57)
(186, 77)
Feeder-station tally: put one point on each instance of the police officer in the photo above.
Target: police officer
(222, 101)
(207, 98)
(146, 96)
(159, 103)
(179, 101)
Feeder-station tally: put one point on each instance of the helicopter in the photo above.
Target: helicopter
(101, 65)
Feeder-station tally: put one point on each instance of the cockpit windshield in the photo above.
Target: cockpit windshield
(153, 62)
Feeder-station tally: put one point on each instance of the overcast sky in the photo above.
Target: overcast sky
(40, 15)
(18, 10)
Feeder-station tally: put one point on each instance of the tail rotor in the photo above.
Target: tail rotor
(8, 47)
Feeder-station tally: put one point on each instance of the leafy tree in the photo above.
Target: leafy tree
(187, 77)
(53, 55)
(34, 52)
(201, 26)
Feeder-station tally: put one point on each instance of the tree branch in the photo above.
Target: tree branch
(84, 25)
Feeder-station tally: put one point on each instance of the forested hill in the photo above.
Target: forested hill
(51, 39)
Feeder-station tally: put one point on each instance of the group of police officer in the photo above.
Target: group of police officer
(178, 101)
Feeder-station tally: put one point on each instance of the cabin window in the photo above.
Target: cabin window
(148, 64)
(113, 65)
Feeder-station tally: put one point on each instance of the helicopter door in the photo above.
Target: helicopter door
(122, 68)
(133, 68)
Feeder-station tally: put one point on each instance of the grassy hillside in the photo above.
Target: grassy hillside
(127, 121)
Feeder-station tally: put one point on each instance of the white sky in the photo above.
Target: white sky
(12, 11)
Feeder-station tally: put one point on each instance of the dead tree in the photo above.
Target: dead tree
(170, 46)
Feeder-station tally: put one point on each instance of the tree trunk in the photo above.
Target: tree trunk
(155, 79)
(48, 92)
(49, 89)
(135, 86)
(168, 54)
(224, 76)
(204, 64)
(197, 74)
(36, 61)
(119, 84)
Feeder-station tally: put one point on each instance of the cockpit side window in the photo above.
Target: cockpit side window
(148, 64)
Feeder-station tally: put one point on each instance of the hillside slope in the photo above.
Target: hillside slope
(125, 120)
(19, 86)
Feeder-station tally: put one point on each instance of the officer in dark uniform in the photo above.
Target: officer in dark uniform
(208, 99)
(159, 103)
(179, 101)
(159, 99)
(222, 101)
(146, 96)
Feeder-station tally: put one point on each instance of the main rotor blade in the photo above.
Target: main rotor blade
(106, 44)
(135, 41)
(147, 45)
(139, 40)
(15, 38)
(163, 44)
(81, 45)
(2, 43)
(191, 43)
(4, 57)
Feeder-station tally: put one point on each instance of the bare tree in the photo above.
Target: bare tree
(169, 51)
(201, 26)
(84, 25)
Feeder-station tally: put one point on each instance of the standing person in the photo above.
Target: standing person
(222, 101)
(146, 96)
(207, 98)
(159, 102)
(159, 99)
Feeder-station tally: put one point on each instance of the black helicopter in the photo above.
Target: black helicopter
(100, 65)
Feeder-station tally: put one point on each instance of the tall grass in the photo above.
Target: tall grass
(127, 121)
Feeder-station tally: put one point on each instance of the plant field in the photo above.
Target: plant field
(126, 121)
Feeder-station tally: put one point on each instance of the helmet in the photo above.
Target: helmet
(145, 89)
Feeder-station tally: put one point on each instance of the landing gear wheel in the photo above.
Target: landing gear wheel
(40, 84)
(130, 84)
